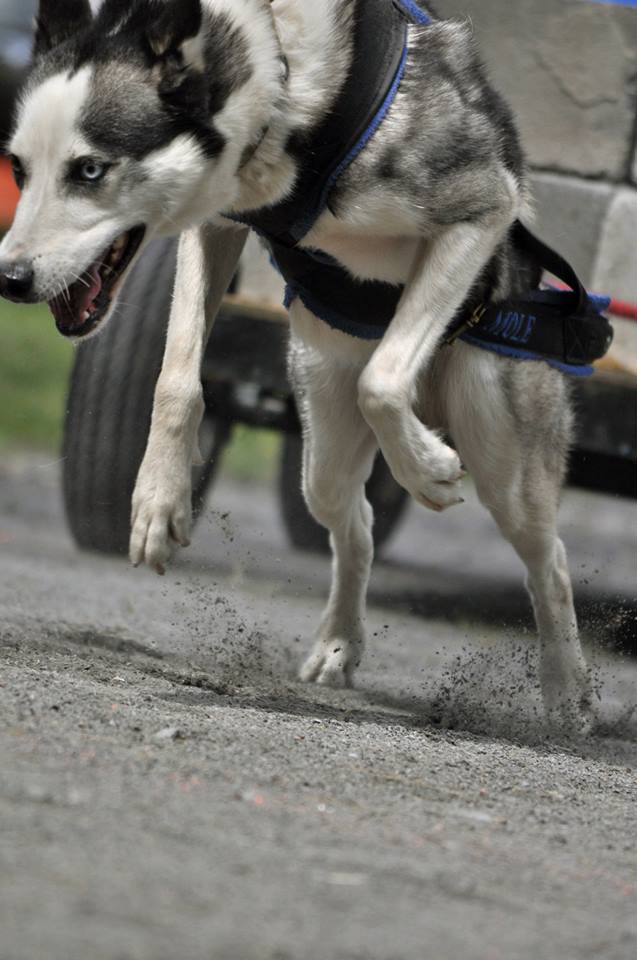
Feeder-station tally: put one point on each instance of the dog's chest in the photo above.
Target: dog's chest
(372, 252)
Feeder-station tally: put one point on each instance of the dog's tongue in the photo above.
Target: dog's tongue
(69, 308)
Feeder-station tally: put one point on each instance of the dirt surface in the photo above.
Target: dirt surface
(168, 791)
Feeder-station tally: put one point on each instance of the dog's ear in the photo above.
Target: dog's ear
(176, 22)
(57, 21)
(176, 41)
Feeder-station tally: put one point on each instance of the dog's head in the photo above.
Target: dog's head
(115, 141)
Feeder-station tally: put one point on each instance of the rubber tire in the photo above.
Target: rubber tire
(109, 408)
(387, 498)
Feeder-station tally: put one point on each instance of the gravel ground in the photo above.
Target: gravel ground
(168, 791)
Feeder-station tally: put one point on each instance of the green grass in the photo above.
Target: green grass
(35, 363)
(252, 455)
(34, 367)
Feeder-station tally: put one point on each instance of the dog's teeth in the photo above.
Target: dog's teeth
(85, 316)
(116, 251)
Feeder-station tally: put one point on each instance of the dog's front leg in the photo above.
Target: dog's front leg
(161, 508)
(441, 279)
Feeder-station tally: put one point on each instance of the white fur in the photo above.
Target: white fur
(308, 33)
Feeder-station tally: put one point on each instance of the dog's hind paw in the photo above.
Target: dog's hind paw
(571, 709)
(426, 468)
(332, 664)
(574, 717)
(161, 519)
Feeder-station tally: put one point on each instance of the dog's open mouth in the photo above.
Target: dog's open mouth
(79, 309)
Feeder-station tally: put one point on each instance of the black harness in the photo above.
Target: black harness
(565, 328)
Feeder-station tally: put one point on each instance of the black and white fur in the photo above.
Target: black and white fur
(188, 105)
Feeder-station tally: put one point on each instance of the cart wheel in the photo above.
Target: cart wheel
(386, 497)
(110, 404)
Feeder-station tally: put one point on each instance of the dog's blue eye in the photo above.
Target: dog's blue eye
(90, 171)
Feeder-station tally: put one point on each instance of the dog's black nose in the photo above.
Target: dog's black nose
(16, 280)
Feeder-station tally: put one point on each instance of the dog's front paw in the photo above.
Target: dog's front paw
(429, 470)
(332, 663)
(161, 516)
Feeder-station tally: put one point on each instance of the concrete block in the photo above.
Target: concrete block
(616, 268)
(258, 278)
(568, 71)
(570, 216)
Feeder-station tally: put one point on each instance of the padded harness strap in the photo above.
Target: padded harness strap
(379, 52)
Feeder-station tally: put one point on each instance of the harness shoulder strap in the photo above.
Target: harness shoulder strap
(379, 49)
(550, 260)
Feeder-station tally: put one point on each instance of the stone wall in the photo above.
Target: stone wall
(569, 69)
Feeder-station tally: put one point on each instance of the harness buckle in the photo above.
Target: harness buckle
(469, 324)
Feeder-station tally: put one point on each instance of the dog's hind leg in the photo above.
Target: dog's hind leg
(338, 454)
(511, 423)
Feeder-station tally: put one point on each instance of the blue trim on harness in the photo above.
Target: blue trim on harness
(414, 10)
(517, 354)
(600, 301)
(347, 161)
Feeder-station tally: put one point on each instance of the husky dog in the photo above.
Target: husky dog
(172, 116)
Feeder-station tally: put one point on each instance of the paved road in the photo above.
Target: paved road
(168, 791)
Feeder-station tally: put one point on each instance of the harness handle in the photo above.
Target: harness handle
(554, 263)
